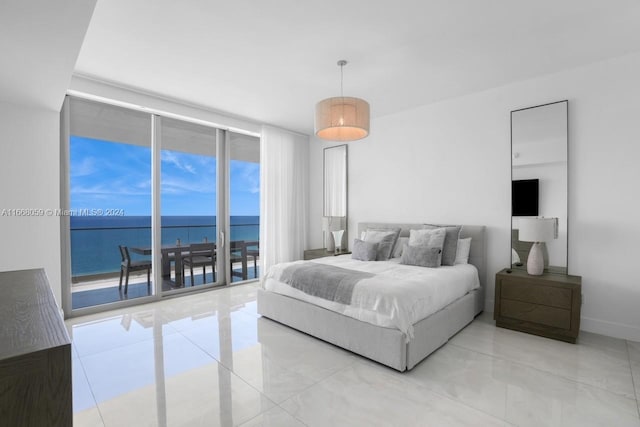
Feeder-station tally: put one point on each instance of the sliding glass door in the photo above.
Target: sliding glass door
(109, 210)
(148, 196)
(188, 192)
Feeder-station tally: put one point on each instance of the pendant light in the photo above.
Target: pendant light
(342, 118)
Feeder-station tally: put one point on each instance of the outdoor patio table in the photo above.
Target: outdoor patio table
(169, 253)
(177, 252)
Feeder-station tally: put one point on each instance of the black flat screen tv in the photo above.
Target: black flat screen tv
(524, 197)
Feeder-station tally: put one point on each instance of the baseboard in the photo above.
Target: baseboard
(611, 329)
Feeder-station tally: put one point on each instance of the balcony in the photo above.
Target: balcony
(95, 260)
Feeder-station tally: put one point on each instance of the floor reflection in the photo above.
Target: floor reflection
(209, 359)
(168, 356)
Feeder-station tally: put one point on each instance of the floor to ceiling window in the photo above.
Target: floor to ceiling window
(188, 204)
(109, 203)
(112, 152)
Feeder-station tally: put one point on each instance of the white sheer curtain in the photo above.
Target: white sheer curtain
(284, 166)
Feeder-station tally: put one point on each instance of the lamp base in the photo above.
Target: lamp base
(329, 244)
(337, 239)
(535, 260)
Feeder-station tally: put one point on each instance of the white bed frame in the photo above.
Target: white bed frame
(385, 345)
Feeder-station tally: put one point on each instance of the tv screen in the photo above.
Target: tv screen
(524, 197)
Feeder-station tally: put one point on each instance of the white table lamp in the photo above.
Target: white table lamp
(537, 230)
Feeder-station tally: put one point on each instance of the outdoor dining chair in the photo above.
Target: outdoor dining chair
(238, 253)
(201, 255)
(127, 266)
(253, 251)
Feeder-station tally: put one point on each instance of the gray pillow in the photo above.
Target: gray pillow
(385, 238)
(450, 247)
(434, 238)
(424, 256)
(364, 251)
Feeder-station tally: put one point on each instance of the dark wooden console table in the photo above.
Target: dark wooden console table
(35, 353)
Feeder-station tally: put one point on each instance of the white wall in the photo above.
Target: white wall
(30, 178)
(44, 39)
(450, 162)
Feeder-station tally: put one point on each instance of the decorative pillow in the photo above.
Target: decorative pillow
(364, 251)
(462, 253)
(385, 238)
(397, 252)
(450, 241)
(424, 256)
(434, 238)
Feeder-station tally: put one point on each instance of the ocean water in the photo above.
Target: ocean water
(95, 239)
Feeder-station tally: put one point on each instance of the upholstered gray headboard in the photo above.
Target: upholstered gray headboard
(477, 254)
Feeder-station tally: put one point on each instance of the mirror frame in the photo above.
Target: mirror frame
(563, 269)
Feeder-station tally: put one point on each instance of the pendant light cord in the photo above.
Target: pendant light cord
(341, 80)
(342, 63)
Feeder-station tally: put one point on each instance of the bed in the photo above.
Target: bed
(396, 346)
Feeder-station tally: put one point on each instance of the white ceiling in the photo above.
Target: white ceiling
(39, 44)
(272, 60)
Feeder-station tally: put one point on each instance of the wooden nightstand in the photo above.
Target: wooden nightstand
(547, 305)
(320, 253)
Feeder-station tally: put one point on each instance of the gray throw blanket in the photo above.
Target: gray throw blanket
(323, 281)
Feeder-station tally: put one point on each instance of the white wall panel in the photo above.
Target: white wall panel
(30, 180)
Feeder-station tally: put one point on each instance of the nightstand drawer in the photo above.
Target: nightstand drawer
(540, 314)
(537, 294)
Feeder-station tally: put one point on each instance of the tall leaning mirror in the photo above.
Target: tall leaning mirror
(539, 187)
(335, 198)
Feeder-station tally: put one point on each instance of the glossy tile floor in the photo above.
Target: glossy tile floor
(208, 359)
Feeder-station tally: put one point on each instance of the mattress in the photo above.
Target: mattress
(397, 296)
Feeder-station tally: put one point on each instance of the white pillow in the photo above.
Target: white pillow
(462, 253)
(397, 252)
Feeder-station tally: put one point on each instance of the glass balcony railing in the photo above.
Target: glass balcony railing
(94, 250)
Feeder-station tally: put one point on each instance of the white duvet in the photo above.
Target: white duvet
(397, 296)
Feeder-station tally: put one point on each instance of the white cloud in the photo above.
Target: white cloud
(113, 189)
(176, 184)
(84, 167)
(249, 173)
(176, 160)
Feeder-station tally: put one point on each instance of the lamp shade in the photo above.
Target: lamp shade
(342, 118)
(537, 229)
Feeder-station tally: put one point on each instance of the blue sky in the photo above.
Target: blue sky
(107, 175)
